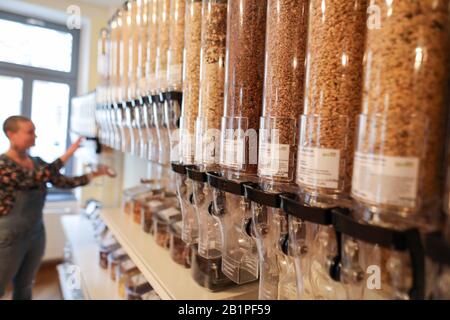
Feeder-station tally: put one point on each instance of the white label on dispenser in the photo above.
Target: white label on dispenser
(187, 147)
(198, 148)
(234, 153)
(169, 213)
(274, 159)
(211, 148)
(385, 180)
(318, 167)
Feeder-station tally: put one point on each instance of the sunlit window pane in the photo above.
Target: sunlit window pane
(50, 114)
(35, 46)
(11, 94)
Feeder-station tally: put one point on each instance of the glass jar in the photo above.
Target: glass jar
(116, 58)
(125, 51)
(209, 233)
(129, 195)
(398, 173)
(142, 130)
(162, 131)
(173, 103)
(114, 259)
(107, 246)
(179, 250)
(176, 45)
(208, 272)
(141, 199)
(127, 269)
(100, 230)
(191, 80)
(130, 127)
(244, 82)
(138, 206)
(102, 71)
(333, 90)
(138, 51)
(137, 287)
(145, 14)
(185, 197)
(152, 46)
(286, 39)
(112, 26)
(161, 221)
(133, 48)
(212, 76)
(399, 153)
(277, 277)
(153, 142)
(148, 210)
(283, 88)
(163, 44)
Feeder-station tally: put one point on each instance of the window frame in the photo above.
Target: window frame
(28, 73)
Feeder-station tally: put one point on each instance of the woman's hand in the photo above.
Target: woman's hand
(70, 152)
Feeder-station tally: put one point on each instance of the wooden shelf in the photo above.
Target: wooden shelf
(96, 282)
(170, 280)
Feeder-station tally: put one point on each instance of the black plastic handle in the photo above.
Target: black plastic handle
(176, 96)
(314, 215)
(437, 249)
(146, 99)
(138, 102)
(407, 240)
(387, 238)
(180, 168)
(215, 180)
(253, 193)
(196, 175)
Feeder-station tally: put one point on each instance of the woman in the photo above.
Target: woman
(23, 181)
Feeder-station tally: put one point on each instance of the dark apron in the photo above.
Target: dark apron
(22, 239)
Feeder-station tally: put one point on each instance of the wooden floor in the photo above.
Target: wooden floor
(47, 284)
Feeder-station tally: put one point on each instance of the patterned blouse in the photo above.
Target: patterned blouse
(14, 177)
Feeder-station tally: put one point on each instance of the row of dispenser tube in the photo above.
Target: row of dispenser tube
(299, 253)
(292, 257)
(299, 88)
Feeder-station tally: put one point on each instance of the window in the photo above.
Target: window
(50, 114)
(11, 92)
(35, 46)
(38, 77)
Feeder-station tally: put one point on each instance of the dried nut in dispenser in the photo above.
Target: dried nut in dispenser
(333, 89)
(399, 154)
(191, 79)
(163, 44)
(286, 38)
(213, 52)
(176, 45)
(244, 83)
